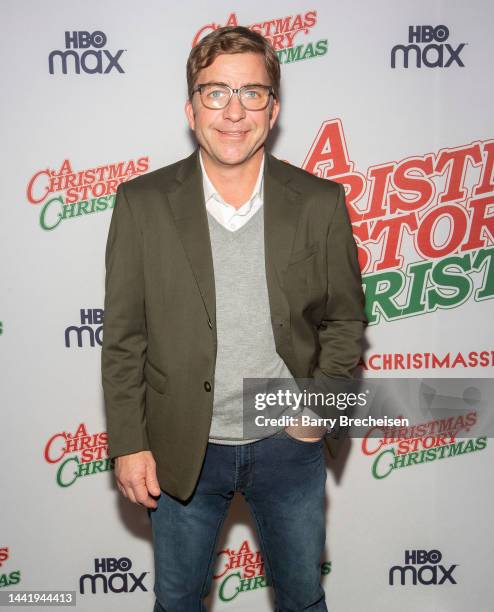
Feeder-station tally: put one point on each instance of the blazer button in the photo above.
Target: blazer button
(207, 385)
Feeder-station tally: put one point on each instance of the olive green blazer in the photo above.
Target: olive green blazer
(159, 333)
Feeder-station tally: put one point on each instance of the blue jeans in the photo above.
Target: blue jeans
(283, 481)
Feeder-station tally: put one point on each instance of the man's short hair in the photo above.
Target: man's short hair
(230, 40)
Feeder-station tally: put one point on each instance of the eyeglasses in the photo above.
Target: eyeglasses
(218, 95)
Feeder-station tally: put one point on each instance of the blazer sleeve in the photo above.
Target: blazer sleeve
(124, 333)
(341, 330)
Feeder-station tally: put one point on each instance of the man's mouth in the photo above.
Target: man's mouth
(232, 133)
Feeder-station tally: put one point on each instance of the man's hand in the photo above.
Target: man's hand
(306, 433)
(136, 478)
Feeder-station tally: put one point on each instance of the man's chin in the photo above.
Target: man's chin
(233, 158)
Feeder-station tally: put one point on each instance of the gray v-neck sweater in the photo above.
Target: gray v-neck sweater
(246, 347)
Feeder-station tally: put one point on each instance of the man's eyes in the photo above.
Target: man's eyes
(252, 93)
(248, 93)
(216, 93)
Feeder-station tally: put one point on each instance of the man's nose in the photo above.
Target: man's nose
(234, 110)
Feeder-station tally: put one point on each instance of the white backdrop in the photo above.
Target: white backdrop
(414, 147)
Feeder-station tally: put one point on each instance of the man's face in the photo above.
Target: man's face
(232, 135)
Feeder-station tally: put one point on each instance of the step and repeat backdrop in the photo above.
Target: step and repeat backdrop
(394, 100)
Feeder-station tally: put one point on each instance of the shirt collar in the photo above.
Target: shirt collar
(210, 190)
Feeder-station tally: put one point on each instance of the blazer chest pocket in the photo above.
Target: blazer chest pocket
(155, 378)
(303, 255)
(301, 276)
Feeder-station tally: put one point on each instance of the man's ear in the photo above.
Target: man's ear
(273, 112)
(189, 113)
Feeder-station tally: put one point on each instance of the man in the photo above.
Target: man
(225, 265)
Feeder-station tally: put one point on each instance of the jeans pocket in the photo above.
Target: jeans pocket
(286, 435)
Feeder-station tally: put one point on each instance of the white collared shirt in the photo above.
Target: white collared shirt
(227, 215)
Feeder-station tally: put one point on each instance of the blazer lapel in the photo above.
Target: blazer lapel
(189, 210)
(281, 217)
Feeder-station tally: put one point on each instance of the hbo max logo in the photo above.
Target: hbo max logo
(422, 567)
(84, 52)
(112, 575)
(436, 53)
